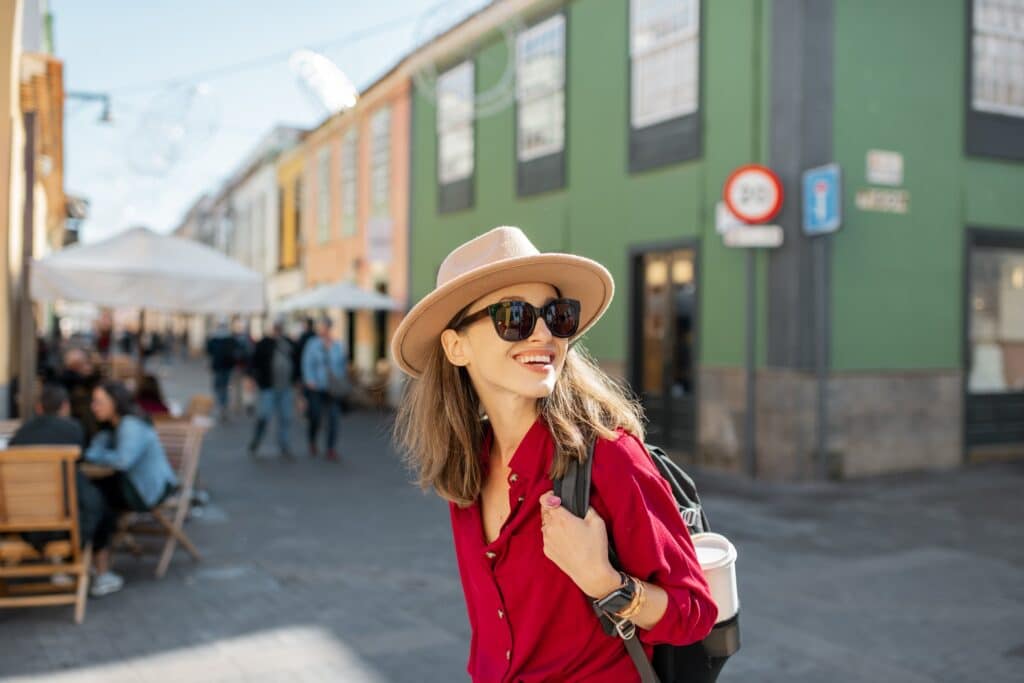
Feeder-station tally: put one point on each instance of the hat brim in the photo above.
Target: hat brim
(575, 277)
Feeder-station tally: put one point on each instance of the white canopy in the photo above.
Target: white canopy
(343, 295)
(142, 269)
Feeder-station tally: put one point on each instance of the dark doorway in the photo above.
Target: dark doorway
(994, 342)
(663, 342)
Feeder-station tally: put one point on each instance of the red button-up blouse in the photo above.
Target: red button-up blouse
(530, 622)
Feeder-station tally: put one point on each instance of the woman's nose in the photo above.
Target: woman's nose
(541, 331)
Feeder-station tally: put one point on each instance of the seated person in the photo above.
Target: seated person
(79, 377)
(52, 426)
(142, 479)
(150, 398)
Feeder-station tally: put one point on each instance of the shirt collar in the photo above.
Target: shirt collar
(532, 459)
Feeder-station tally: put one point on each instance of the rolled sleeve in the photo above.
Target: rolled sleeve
(651, 540)
(130, 435)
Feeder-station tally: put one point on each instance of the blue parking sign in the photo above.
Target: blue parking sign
(822, 199)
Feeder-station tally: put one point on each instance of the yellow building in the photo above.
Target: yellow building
(349, 210)
(31, 175)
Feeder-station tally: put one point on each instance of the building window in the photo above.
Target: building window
(998, 64)
(995, 107)
(540, 106)
(456, 92)
(349, 180)
(380, 160)
(323, 196)
(540, 88)
(664, 52)
(300, 197)
(287, 253)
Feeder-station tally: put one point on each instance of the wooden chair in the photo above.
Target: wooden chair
(182, 441)
(38, 493)
(200, 405)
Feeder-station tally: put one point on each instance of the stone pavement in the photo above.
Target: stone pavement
(319, 572)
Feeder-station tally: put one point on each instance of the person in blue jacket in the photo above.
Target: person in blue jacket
(142, 479)
(324, 364)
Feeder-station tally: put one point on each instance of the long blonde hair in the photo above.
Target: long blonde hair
(440, 429)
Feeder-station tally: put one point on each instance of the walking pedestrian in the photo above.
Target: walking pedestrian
(325, 376)
(501, 398)
(275, 368)
(222, 348)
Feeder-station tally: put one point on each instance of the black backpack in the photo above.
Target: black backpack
(697, 663)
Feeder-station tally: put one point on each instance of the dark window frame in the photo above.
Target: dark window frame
(986, 134)
(457, 195)
(546, 173)
(675, 140)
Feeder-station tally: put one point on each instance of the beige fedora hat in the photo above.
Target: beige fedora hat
(499, 258)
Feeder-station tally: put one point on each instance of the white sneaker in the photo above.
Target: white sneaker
(105, 584)
(62, 580)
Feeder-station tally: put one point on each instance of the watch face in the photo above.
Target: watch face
(617, 600)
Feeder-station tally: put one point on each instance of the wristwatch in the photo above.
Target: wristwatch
(619, 599)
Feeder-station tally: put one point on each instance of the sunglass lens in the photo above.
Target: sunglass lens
(513, 320)
(562, 317)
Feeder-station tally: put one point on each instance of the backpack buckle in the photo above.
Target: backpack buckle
(691, 516)
(624, 627)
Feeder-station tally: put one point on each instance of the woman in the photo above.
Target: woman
(142, 478)
(499, 404)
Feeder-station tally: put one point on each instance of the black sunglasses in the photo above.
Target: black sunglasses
(515, 320)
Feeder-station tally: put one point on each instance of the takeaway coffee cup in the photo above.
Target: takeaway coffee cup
(717, 557)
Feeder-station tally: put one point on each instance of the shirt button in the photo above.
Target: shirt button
(501, 614)
(521, 499)
(490, 555)
(508, 654)
(514, 477)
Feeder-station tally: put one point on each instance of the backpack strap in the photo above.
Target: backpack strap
(574, 491)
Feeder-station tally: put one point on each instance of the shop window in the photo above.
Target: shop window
(996, 332)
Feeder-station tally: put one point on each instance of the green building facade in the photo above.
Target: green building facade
(608, 127)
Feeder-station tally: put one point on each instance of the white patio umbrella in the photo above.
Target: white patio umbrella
(142, 269)
(344, 295)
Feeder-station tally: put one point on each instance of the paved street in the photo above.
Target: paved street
(318, 572)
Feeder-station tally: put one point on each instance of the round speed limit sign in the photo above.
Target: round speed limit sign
(753, 193)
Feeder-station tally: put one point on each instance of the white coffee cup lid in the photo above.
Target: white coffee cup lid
(713, 550)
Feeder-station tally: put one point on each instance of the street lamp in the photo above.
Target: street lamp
(105, 115)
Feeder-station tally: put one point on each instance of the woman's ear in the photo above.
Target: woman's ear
(454, 346)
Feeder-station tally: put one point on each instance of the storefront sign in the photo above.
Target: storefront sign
(883, 201)
(884, 167)
(753, 193)
(754, 237)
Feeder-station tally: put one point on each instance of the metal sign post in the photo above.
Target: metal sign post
(822, 202)
(752, 196)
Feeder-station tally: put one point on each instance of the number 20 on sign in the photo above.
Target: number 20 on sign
(753, 193)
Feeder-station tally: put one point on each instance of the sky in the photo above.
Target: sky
(161, 63)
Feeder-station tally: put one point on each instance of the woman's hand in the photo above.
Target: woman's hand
(579, 547)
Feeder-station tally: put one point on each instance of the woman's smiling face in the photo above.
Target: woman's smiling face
(527, 368)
